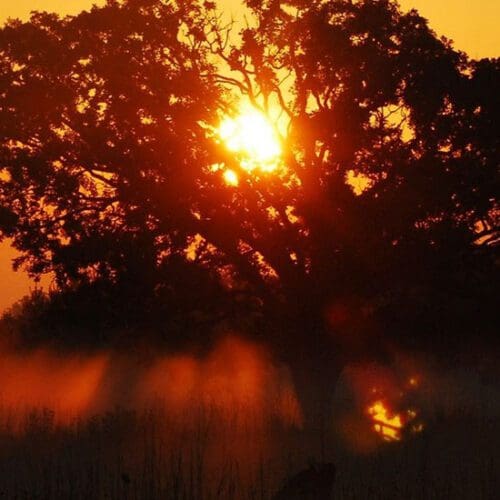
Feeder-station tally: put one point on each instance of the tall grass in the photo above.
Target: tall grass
(213, 453)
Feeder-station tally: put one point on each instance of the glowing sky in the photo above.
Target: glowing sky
(471, 25)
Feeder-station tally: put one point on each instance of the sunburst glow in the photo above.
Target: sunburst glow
(387, 424)
(391, 425)
(231, 177)
(252, 135)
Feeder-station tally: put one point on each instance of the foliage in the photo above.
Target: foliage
(100, 164)
(367, 92)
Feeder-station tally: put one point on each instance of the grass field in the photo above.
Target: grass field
(210, 453)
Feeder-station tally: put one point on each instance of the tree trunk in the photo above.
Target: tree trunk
(315, 368)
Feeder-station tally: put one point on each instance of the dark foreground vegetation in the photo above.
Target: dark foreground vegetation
(150, 455)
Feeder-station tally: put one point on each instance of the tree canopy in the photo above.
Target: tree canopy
(383, 199)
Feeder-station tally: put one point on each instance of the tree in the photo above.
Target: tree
(101, 148)
(112, 166)
(372, 95)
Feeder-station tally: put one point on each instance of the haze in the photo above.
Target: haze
(472, 27)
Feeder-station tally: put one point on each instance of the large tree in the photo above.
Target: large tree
(101, 149)
(112, 165)
(389, 177)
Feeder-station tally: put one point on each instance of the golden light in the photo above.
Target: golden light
(387, 425)
(252, 135)
(390, 425)
(358, 182)
(230, 177)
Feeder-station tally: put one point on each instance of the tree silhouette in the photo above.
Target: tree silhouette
(111, 169)
(101, 150)
(371, 94)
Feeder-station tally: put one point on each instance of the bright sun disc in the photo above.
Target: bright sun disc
(253, 136)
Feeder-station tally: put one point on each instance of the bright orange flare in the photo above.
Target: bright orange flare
(252, 135)
(387, 425)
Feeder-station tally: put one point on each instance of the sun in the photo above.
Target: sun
(231, 177)
(252, 136)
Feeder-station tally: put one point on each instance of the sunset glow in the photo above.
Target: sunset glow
(235, 375)
(388, 425)
(231, 177)
(253, 137)
(249, 249)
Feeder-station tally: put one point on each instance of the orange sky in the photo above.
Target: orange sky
(471, 25)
